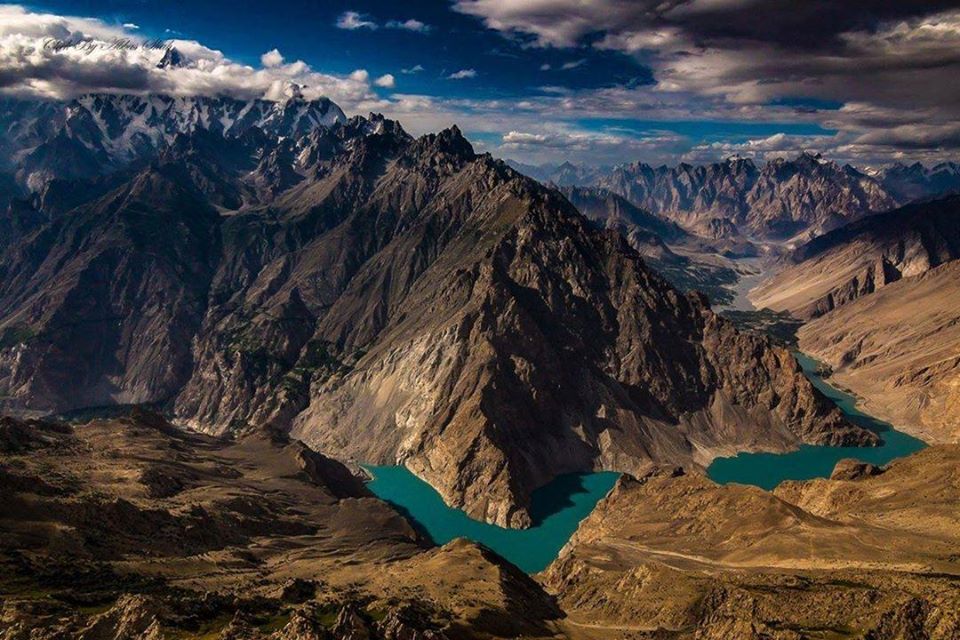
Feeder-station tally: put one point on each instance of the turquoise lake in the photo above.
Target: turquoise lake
(559, 507)
(556, 510)
(767, 470)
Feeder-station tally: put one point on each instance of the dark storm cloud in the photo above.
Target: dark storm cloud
(893, 66)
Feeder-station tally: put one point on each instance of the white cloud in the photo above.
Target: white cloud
(131, 25)
(566, 66)
(898, 61)
(28, 68)
(553, 144)
(462, 74)
(352, 20)
(417, 68)
(409, 25)
(545, 66)
(386, 81)
(271, 58)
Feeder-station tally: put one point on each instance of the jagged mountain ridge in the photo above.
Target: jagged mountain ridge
(565, 174)
(915, 181)
(388, 299)
(97, 133)
(682, 258)
(782, 199)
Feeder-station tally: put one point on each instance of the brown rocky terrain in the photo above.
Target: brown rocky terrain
(677, 556)
(898, 350)
(388, 299)
(862, 257)
(800, 197)
(542, 348)
(130, 528)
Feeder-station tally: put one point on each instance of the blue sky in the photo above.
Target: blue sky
(602, 82)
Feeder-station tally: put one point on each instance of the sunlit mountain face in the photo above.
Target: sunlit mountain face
(479, 319)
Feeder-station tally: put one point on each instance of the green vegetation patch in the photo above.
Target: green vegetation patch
(16, 334)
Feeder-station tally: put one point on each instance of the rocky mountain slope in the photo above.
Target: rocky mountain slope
(862, 257)
(898, 349)
(780, 200)
(675, 555)
(388, 299)
(915, 181)
(131, 528)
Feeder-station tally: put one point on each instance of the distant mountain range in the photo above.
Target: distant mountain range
(96, 134)
(783, 199)
(383, 298)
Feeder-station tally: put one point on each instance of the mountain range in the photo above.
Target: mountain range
(384, 298)
(782, 199)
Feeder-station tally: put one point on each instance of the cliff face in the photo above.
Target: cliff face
(862, 257)
(387, 299)
(898, 349)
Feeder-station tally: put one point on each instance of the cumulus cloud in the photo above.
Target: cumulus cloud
(573, 64)
(386, 81)
(352, 20)
(603, 147)
(131, 25)
(462, 74)
(417, 68)
(410, 24)
(51, 56)
(271, 58)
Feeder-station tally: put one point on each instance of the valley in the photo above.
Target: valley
(319, 378)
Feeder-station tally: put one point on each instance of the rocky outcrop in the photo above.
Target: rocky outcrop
(860, 258)
(852, 469)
